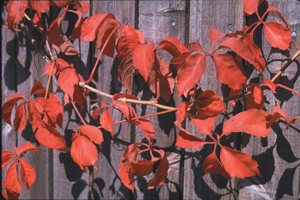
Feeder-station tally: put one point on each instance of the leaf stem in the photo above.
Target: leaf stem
(99, 56)
(75, 108)
(49, 80)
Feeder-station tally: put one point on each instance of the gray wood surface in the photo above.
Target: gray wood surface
(58, 177)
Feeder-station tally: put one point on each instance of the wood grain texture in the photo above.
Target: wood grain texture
(278, 153)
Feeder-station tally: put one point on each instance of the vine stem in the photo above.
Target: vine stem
(100, 54)
(49, 80)
(75, 108)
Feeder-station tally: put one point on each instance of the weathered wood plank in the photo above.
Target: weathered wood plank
(278, 153)
(158, 20)
(225, 16)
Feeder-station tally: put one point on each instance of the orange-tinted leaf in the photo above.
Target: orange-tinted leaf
(215, 36)
(182, 111)
(27, 147)
(35, 117)
(28, 173)
(35, 87)
(209, 104)
(106, 121)
(229, 72)
(67, 79)
(250, 6)
(8, 106)
(51, 138)
(238, 164)
(278, 35)
(57, 38)
(92, 132)
(20, 120)
(204, 124)
(128, 40)
(172, 45)
(82, 6)
(251, 121)
(187, 140)
(15, 10)
(126, 71)
(159, 176)
(143, 59)
(190, 73)
(83, 151)
(7, 157)
(212, 165)
(12, 182)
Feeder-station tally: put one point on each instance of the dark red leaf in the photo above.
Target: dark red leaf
(251, 121)
(126, 71)
(67, 79)
(27, 147)
(77, 27)
(28, 173)
(238, 164)
(20, 120)
(124, 96)
(40, 6)
(278, 35)
(209, 104)
(127, 40)
(60, 3)
(9, 194)
(141, 167)
(159, 176)
(15, 10)
(229, 72)
(187, 140)
(172, 45)
(7, 157)
(92, 132)
(190, 73)
(8, 106)
(143, 59)
(35, 87)
(212, 165)
(12, 182)
(83, 151)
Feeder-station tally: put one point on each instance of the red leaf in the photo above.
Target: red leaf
(106, 121)
(180, 60)
(57, 38)
(240, 48)
(27, 147)
(60, 3)
(209, 104)
(60, 64)
(212, 165)
(142, 39)
(98, 110)
(187, 140)
(143, 59)
(278, 113)
(260, 61)
(146, 127)
(92, 132)
(127, 110)
(258, 94)
(20, 120)
(105, 30)
(9, 105)
(182, 111)
(67, 79)
(12, 182)
(272, 8)
(90, 26)
(9, 194)
(83, 151)
(35, 87)
(40, 6)
(190, 73)
(271, 85)
(250, 6)
(141, 167)
(123, 95)
(51, 138)
(215, 36)
(204, 124)
(278, 35)
(128, 40)
(82, 6)
(172, 45)
(229, 72)
(15, 10)
(195, 46)
(77, 27)
(159, 176)
(35, 117)
(7, 157)
(28, 173)
(126, 177)
(126, 71)
(238, 164)
(252, 121)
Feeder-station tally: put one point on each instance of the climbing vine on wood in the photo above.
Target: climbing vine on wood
(44, 111)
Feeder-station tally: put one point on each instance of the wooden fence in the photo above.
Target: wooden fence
(58, 177)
